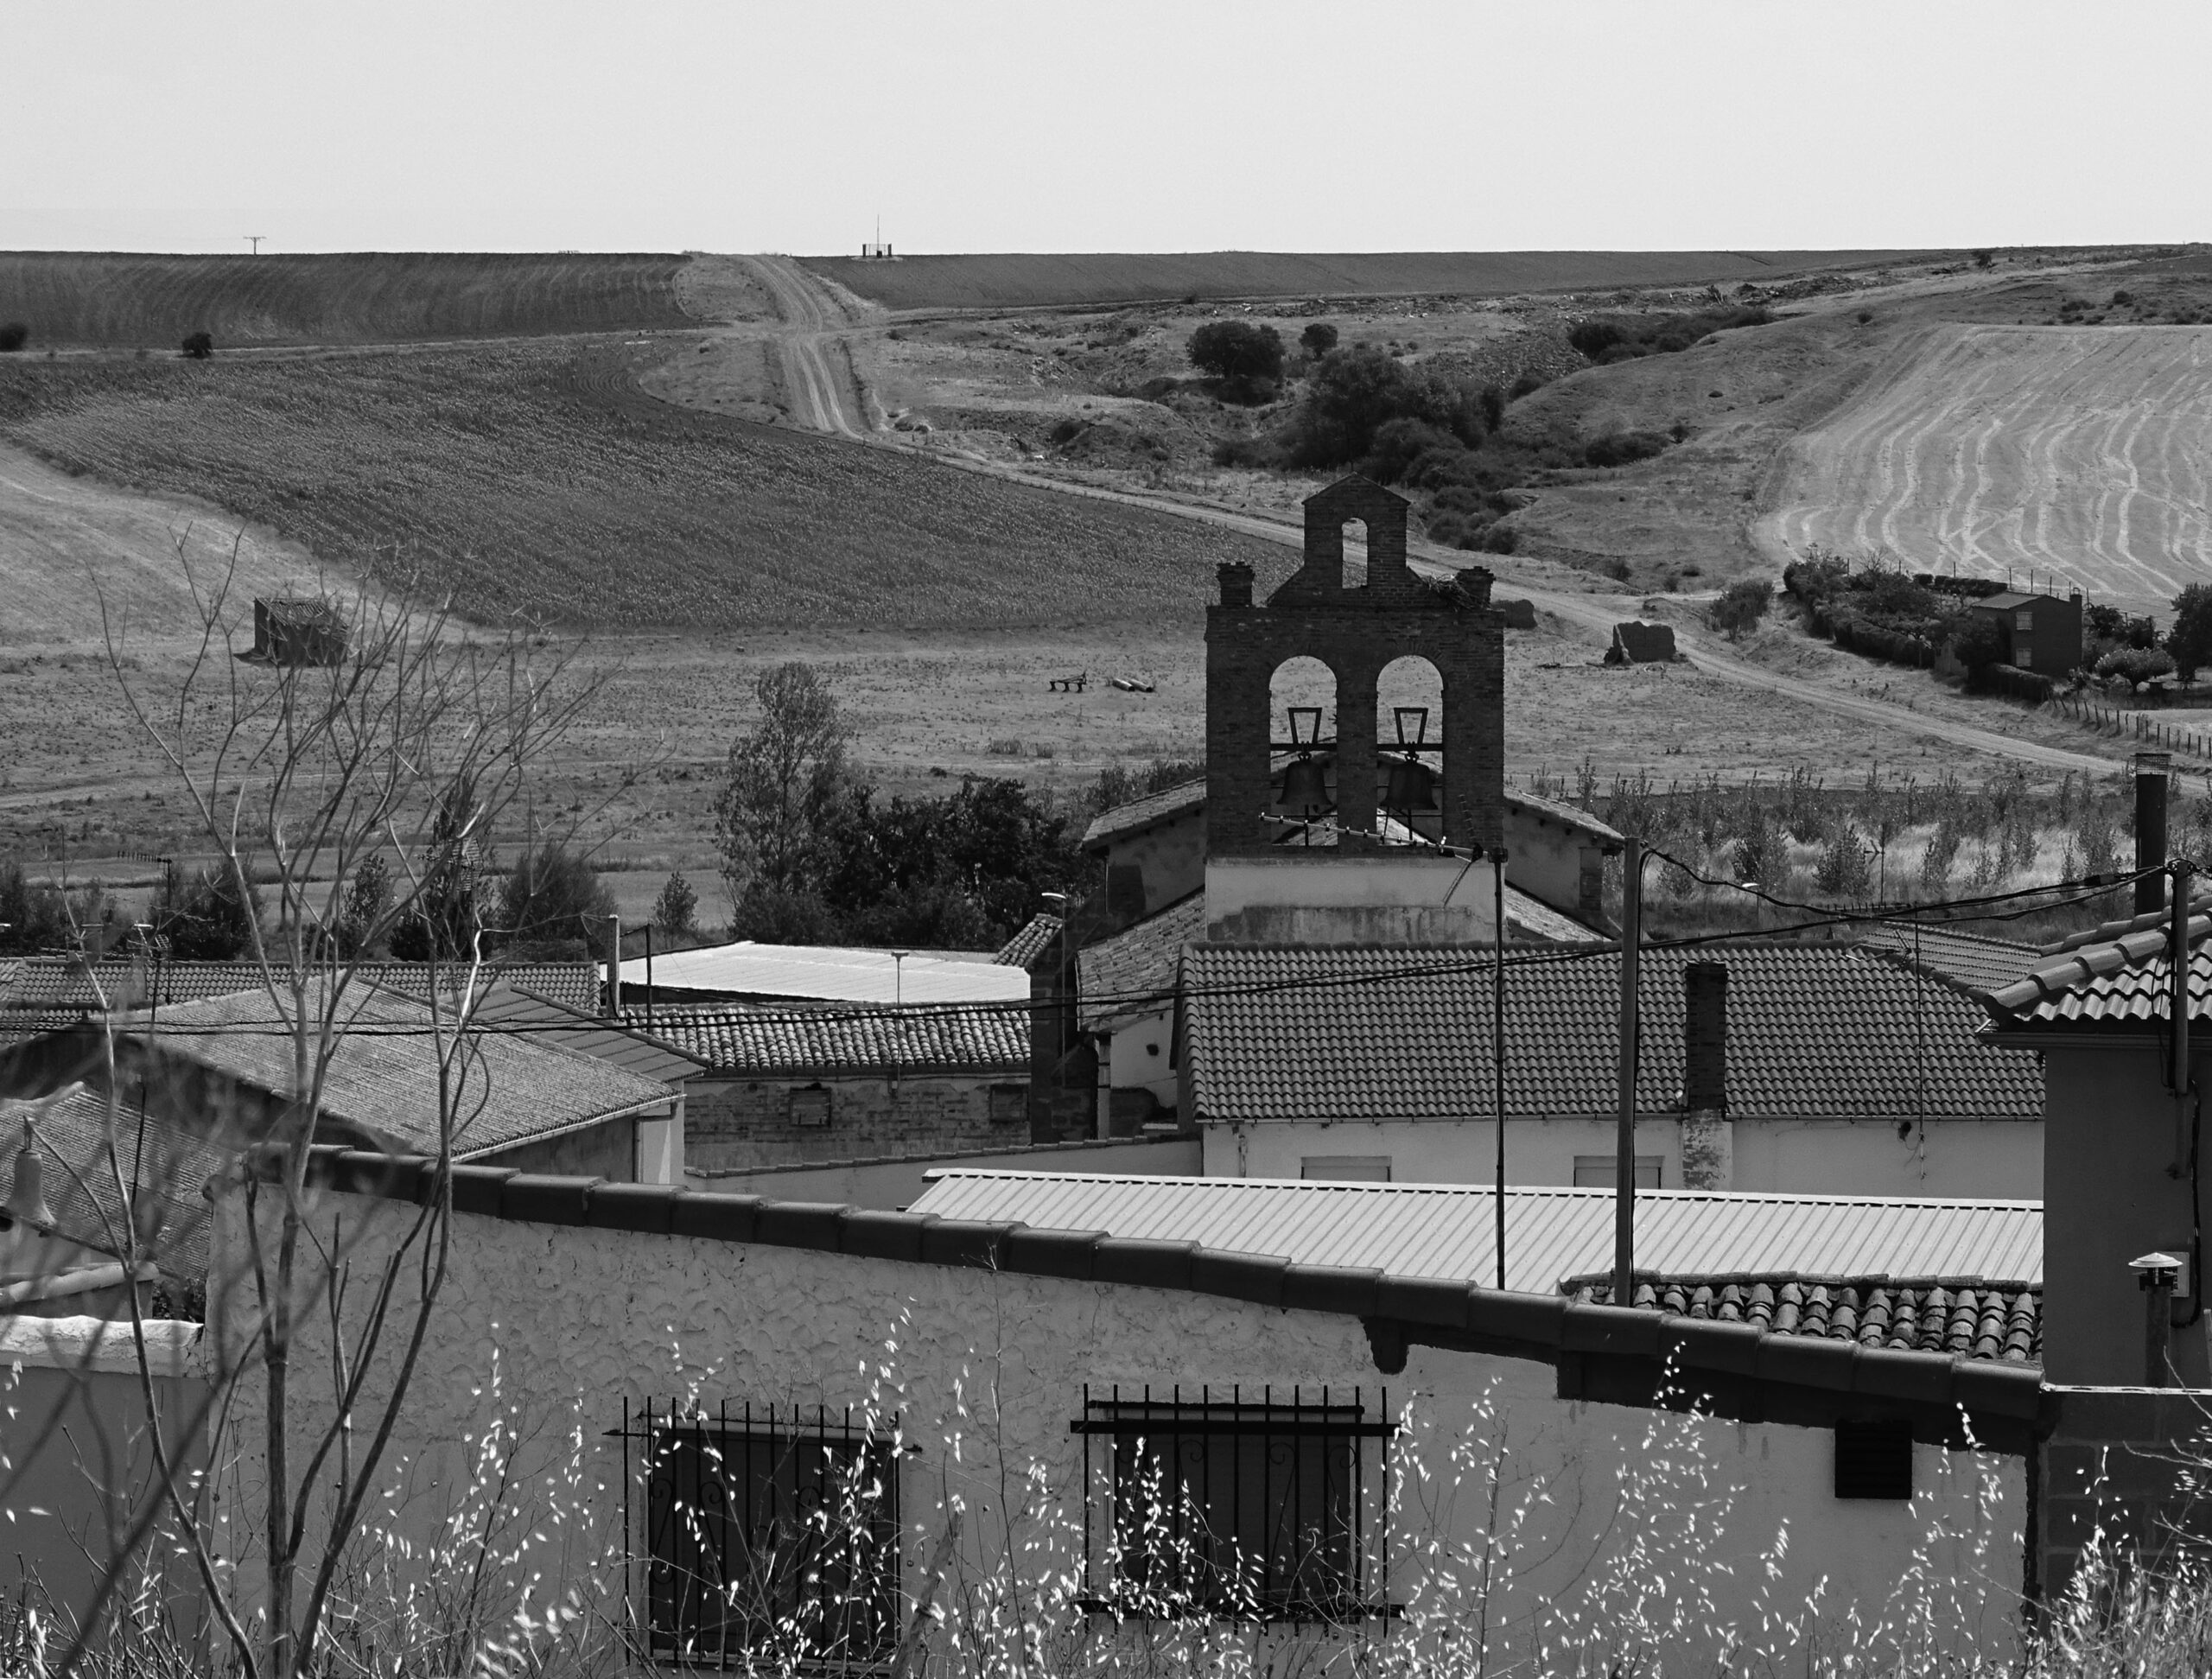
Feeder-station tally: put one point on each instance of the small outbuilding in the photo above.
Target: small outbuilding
(297, 631)
(2042, 632)
(1638, 643)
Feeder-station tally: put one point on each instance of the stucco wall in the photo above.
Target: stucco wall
(1601, 1509)
(2112, 1148)
(1140, 1057)
(895, 1184)
(1547, 859)
(747, 1121)
(1168, 861)
(1975, 1158)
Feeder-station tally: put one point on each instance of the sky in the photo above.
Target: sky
(1198, 125)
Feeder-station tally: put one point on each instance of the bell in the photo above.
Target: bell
(1412, 786)
(26, 1201)
(1305, 787)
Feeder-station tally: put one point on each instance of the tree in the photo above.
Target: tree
(367, 906)
(295, 777)
(198, 346)
(14, 336)
(1741, 606)
(1977, 643)
(554, 904)
(784, 788)
(676, 911)
(2189, 640)
(1317, 339)
(207, 918)
(1237, 350)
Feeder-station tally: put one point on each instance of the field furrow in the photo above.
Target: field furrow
(2078, 453)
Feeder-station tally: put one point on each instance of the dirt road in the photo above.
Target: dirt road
(815, 320)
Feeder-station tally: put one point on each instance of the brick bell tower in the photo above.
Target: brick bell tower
(1356, 629)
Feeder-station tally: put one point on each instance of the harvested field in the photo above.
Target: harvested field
(1024, 281)
(69, 298)
(2076, 452)
(536, 479)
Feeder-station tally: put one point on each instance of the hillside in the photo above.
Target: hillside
(71, 299)
(1024, 280)
(534, 479)
(2077, 452)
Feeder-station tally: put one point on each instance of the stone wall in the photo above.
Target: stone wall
(748, 1121)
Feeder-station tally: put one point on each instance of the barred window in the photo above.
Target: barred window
(1264, 1510)
(1009, 1104)
(761, 1532)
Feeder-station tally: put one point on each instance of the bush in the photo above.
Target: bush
(1523, 385)
(1741, 606)
(1492, 401)
(205, 918)
(554, 903)
(676, 911)
(1978, 644)
(1317, 339)
(1245, 452)
(1237, 350)
(14, 336)
(1606, 339)
(1355, 392)
(1399, 443)
(2136, 665)
(1620, 447)
(2189, 640)
(199, 346)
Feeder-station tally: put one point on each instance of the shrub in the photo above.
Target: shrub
(1816, 578)
(1845, 866)
(1244, 452)
(199, 346)
(1977, 643)
(1983, 258)
(1492, 401)
(1399, 443)
(368, 902)
(1523, 385)
(1237, 350)
(2137, 665)
(1741, 606)
(2189, 640)
(1620, 447)
(1317, 339)
(554, 902)
(205, 918)
(676, 911)
(14, 336)
(1609, 338)
(1500, 538)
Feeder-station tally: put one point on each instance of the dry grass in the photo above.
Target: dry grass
(534, 480)
(74, 298)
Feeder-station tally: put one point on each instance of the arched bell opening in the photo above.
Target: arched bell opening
(1302, 754)
(1410, 752)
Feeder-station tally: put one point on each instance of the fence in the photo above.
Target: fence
(2136, 725)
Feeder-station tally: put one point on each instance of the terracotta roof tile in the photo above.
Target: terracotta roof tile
(1968, 1318)
(1133, 973)
(1033, 946)
(1814, 1031)
(1968, 962)
(984, 1038)
(63, 983)
(1140, 814)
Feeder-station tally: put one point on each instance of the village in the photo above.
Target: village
(1344, 1236)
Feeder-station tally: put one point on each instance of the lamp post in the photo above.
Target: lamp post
(2157, 1274)
(898, 1022)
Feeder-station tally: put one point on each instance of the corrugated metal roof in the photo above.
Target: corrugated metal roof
(1279, 1032)
(1449, 1231)
(827, 973)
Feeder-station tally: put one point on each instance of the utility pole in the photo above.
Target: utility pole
(254, 239)
(1625, 1151)
(1497, 1044)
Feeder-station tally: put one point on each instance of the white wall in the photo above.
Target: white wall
(1544, 858)
(1603, 1507)
(1140, 1057)
(1400, 897)
(1997, 1159)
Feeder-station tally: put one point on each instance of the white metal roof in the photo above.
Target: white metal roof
(831, 974)
(1450, 1230)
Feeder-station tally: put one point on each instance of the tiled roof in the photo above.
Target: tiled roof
(1138, 814)
(63, 983)
(1029, 948)
(1967, 1318)
(1449, 1231)
(383, 1073)
(829, 973)
(1133, 973)
(1752, 1370)
(167, 1167)
(1568, 816)
(1530, 920)
(979, 1039)
(1814, 1031)
(2113, 981)
(1967, 961)
(509, 1009)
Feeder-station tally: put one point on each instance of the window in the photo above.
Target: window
(1244, 1510)
(808, 1107)
(2023, 621)
(1873, 1459)
(1346, 1168)
(1009, 1104)
(2024, 654)
(1602, 1170)
(763, 1531)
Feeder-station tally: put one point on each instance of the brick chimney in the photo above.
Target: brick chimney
(1708, 1145)
(1235, 579)
(2151, 777)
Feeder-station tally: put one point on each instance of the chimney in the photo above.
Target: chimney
(615, 968)
(27, 1200)
(1235, 579)
(1708, 1145)
(1473, 585)
(2151, 778)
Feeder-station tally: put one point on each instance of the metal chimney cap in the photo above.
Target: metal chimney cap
(2153, 763)
(2154, 1263)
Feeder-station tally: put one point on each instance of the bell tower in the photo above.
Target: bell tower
(1356, 811)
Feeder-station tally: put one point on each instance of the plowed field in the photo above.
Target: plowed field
(536, 478)
(2080, 453)
(69, 298)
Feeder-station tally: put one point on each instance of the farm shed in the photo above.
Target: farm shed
(782, 1088)
(2042, 633)
(297, 631)
(1638, 643)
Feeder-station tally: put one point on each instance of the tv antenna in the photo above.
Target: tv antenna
(254, 239)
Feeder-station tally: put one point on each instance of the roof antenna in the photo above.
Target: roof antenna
(254, 239)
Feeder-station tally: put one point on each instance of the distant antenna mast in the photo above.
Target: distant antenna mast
(254, 239)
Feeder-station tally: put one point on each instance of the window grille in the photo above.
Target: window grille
(1603, 1171)
(809, 1107)
(1266, 1510)
(761, 1532)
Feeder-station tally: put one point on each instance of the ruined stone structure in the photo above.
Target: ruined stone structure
(1356, 629)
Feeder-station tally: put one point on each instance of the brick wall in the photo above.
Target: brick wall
(2130, 1462)
(754, 1121)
